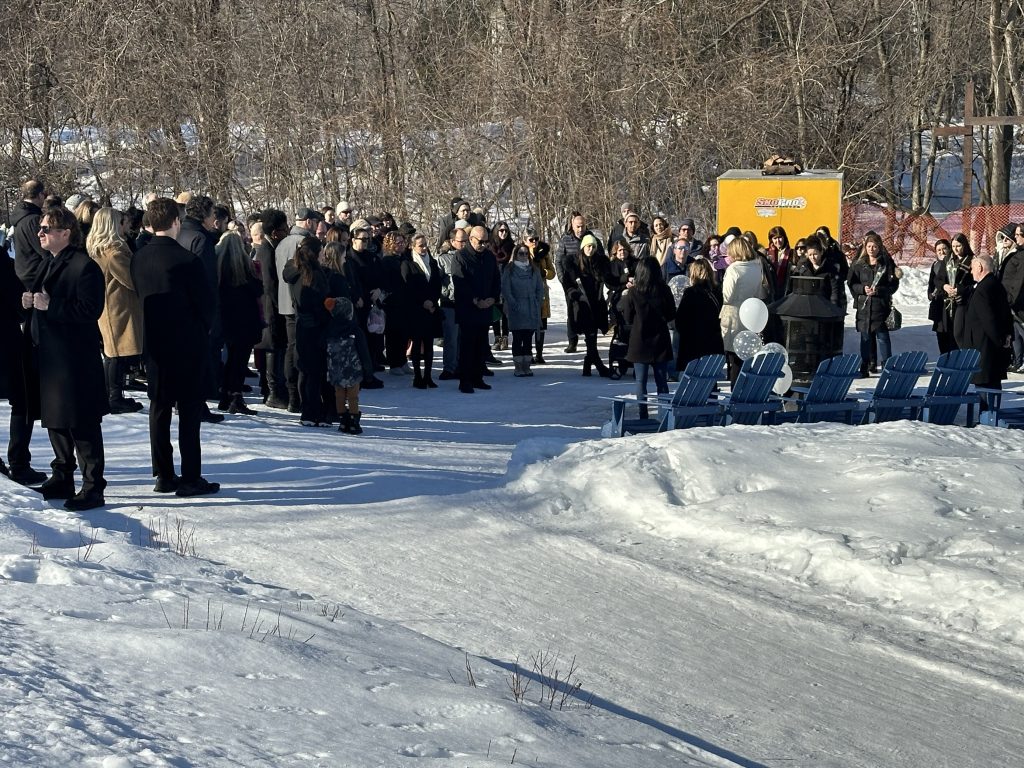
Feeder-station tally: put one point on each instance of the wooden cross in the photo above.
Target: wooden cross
(967, 131)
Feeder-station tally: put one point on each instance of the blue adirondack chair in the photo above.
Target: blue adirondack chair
(685, 407)
(947, 390)
(893, 397)
(1010, 416)
(750, 401)
(826, 399)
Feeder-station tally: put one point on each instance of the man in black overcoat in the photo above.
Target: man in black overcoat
(63, 343)
(19, 277)
(177, 310)
(198, 234)
(275, 335)
(477, 286)
(986, 325)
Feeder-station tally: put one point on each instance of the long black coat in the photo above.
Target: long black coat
(474, 276)
(275, 335)
(698, 324)
(419, 289)
(240, 312)
(177, 311)
(650, 340)
(872, 311)
(986, 325)
(196, 239)
(72, 391)
(940, 310)
(10, 327)
(583, 280)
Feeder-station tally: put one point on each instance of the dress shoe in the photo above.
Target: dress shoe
(466, 389)
(447, 376)
(57, 489)
(125, 405)
(200, 487)
(481, 384)
(431, 384)
(492, 360)
(372, 383)
(570, 348)
(26, 476)
(211, 418)
(167, 484)
(238, 406)
(84, 500)
(487, 372)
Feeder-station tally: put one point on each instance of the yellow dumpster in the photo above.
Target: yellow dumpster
(800, 203)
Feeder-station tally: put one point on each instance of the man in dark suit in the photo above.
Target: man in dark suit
(64, 305)
(177, 310)
(986, 325)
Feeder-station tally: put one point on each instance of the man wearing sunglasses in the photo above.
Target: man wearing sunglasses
(64, 306)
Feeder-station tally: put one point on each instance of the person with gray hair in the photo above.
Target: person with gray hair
(986, 326)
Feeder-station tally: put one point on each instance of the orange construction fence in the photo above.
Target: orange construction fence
(910, 237)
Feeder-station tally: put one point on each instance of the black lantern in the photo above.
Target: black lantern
(812, 325)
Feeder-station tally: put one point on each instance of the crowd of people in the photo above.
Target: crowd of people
(185, 296)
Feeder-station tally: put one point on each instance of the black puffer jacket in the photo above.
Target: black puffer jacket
(872, 311)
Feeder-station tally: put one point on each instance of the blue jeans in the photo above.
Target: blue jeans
(642, 371)
(867, 346)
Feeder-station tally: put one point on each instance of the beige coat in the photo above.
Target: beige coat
(743, 280)
(121, 321)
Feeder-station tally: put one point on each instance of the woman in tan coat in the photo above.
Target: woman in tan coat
(121, 320)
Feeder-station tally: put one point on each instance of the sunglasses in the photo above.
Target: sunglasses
(346, 211)
(361, 237)
(531, 239)
(44, 230)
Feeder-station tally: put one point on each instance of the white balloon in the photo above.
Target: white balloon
(746, 344)
(774, 346)
(783, 384)
(754, 314)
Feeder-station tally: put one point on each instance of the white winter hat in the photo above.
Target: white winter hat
(343, 207)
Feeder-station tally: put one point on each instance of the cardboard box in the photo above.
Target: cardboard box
(800, 204)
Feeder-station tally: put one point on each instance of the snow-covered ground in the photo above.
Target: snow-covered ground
(800, 595)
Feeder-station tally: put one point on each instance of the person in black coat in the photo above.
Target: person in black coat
(29, 257)
(567, 251)
(873, 280)
(422, 277)
(697, 316)
(814, 264)
(987, 326)
(274, 341)
(177, 312)
(311, 285)
(64, 307)
(949, 288)
(197, 234)
(241, 327)
(395, 301)
(648, 307)
(583, 280)
(477, 285)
